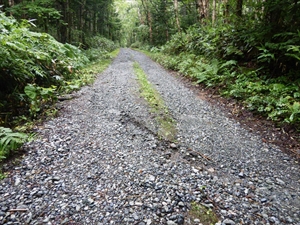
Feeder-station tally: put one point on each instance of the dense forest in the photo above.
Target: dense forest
(67, 21)
(243, 49)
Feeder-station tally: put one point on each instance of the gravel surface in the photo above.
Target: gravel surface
(101, 162)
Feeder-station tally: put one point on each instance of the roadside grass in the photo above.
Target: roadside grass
(167, 125)
(88, 74)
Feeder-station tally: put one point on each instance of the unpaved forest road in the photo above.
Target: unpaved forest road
(100, 161)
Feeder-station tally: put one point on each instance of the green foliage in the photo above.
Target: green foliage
(38, 9)
(282, 55)
(277, 98)
(2, 175)
(28, 57)
(137, 45)
(66, 20)
(99, 48)
(87, 75)
(39, 97)
(10, 141)
(147, 91)
(247, 59)
(100, 42)
(278, 101)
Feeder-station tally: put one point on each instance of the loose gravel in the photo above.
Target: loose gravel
(101, 161)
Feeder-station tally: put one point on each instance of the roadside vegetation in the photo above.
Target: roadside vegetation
(276, 96)
(35, 70)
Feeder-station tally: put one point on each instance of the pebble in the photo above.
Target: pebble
(228, 222)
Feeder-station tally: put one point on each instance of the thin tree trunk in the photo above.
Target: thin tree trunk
(176, 15)
(141, 18)
(11, 3)
(61, 28)
(69, 21)
(214, 9)
(205, 8)
(226, 11)
(150, 27)
(82, 11)
(149, 19)
(239, 8)
(202, 7)
(199, 9)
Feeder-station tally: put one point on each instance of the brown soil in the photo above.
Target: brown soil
(284, 136)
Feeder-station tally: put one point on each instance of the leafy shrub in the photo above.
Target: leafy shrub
(28, 57)
(99, 48)
(136, 44)
(10, 141)
(99, 42)
(39, 97)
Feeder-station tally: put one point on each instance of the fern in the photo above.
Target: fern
(10, 141)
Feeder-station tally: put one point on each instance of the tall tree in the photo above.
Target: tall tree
(177, 15)
(214, 11)
(203, 9)
(146, 7)
(239, 8)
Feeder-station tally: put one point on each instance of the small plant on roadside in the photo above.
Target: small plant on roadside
(39, 97)
(2, 175)
(10, 141)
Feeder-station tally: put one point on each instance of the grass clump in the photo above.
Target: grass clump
(167, 127)
(206, 215)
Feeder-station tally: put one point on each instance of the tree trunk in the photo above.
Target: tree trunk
(226, 11)
(145, 4)
(62, 30)
(214, 9)
(150, 27)
(202, 7)
(176, 15)
(239, 8)
(11, 3)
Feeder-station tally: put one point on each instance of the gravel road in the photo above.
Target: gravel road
(101, 161)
